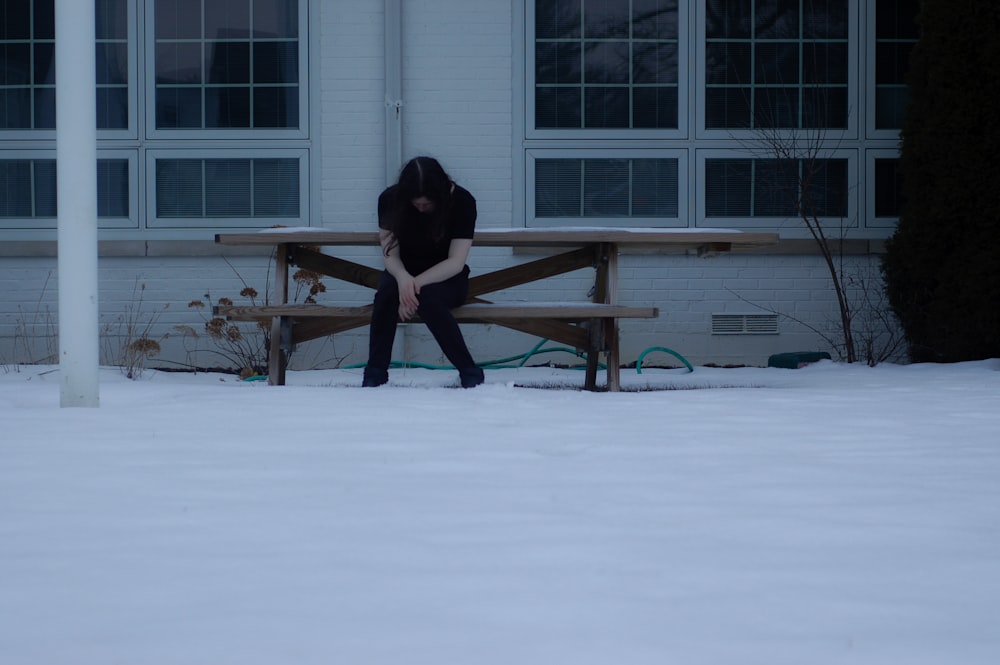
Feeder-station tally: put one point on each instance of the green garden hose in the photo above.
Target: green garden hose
(502, 363)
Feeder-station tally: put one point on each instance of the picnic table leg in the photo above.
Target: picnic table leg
(593, 360)
(613, 360)
(277, 362)
(611, 325)
(606, 291)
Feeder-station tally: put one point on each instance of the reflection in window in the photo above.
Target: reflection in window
(606, 64)
(227, 65)
(606, 188)
(775, 188)
(895, 35)
(112, 64)
(200, 188)
(776, 64)
(27, 65)
(28, 188)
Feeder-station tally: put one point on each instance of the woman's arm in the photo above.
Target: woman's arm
(390, 255)
(408, 289)
(458, 253)
(409, 286)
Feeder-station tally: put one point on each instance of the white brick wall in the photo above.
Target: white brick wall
(349, 122)
(456, 103)
(457, 94)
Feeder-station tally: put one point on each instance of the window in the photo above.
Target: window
(607, 188)
(27, 65)
(884, 185)
(226, 65)
(606, 64)
(887, 188)
(669, 113)
(215, 73)
(776, 65)
(600, 70)
(232, 187)
(111, 28)
(752, 188)
(27, 188)
(895, 35)
(113, 191)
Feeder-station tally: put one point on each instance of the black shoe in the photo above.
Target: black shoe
(374, 377)
(471, 376)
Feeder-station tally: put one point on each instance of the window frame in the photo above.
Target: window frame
(683, 68)
(172, 224)
(871, 155)
(789, 227)
(242, 134)
(29, 134)
(131, 132)
(852, 143)
(871, 87)
(848, 133)
(49, 224)
(139, 146)
(28, 224)
(680, 154)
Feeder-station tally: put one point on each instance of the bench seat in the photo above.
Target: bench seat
(590, 327)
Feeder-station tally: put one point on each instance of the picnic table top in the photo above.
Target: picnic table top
(534, 237)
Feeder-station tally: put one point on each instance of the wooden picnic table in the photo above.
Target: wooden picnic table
(589, 326)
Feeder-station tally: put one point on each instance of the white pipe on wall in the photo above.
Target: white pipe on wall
(76, 192)
(394, 120)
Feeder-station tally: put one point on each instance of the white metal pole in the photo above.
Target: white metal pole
(76, 174)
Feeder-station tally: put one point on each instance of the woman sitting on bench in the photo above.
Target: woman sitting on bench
(426, 224)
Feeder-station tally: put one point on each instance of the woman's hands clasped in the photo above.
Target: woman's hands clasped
(409, 298)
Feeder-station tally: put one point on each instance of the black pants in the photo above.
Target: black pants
(436, 303)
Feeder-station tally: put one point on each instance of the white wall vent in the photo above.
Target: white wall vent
(744, 324)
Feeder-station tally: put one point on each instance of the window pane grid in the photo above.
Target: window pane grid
(227, 188)
(236, 63)
(896, 34)
(609, 188)
(27, 66)
(18, 195)
(226, 67)
(776, 65)
(602, 64)
(756, 188)
(28, 188)
(111, 26)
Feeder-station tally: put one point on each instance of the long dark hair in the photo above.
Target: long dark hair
(421, 177)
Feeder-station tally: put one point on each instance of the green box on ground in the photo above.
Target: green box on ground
(796, 359)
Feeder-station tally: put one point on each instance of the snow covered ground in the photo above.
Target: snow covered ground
(831, 514)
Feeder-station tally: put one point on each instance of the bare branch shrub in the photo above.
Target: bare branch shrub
(129, 341)
(866, 329)
(246, 346)
(36, 335)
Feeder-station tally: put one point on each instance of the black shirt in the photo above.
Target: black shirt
(417, 248)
